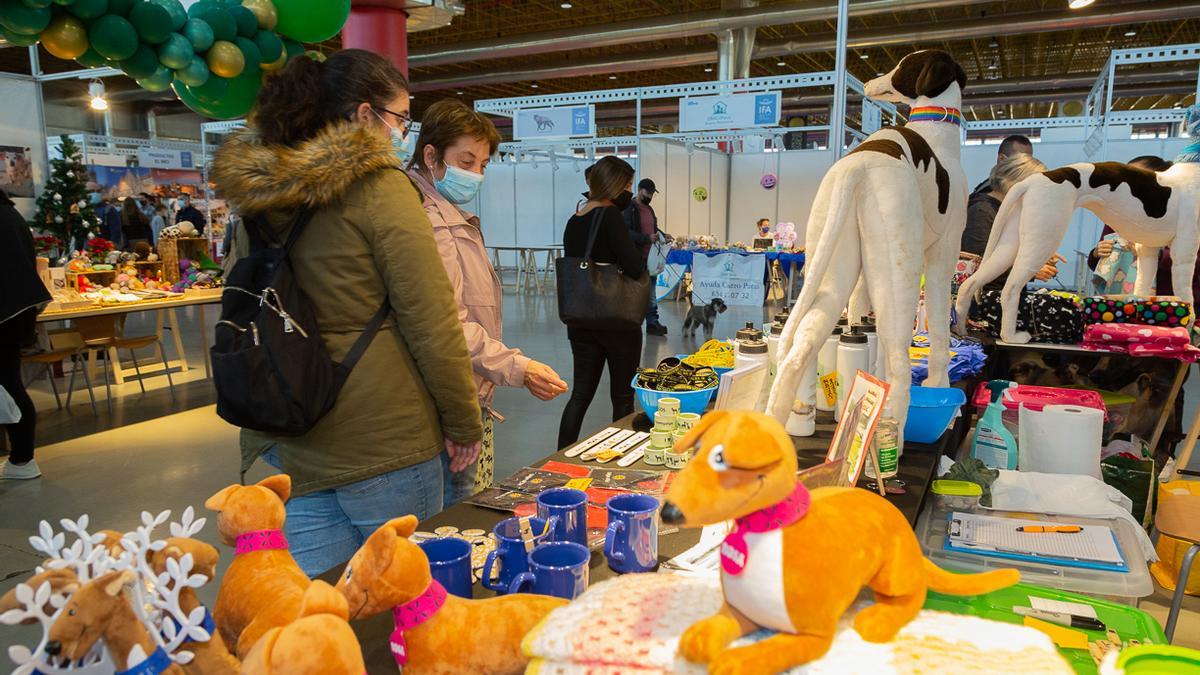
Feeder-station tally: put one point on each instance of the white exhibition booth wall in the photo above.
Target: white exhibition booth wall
(22, 140)
(527, 204)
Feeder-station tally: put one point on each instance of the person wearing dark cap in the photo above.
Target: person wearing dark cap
(643, 229)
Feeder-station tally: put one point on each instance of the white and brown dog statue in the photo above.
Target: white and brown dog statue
(891, 209)
(1148, 208)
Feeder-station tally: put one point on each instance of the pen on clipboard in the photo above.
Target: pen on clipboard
(1050, 529)
(1062, 618)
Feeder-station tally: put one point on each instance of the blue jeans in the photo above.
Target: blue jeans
(326, 528)
(456, 486)
(652, 308)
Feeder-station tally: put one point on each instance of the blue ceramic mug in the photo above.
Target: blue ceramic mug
(631, 543)
(558, 568)
(510, 552)
(450, 564)
(569, 506)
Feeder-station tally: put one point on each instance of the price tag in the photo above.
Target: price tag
(829, 388)
(579, 483)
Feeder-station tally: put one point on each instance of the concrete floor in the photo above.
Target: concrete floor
(154, 453)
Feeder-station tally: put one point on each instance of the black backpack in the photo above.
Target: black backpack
(269, 363)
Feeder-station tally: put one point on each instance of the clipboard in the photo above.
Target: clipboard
(955, 525)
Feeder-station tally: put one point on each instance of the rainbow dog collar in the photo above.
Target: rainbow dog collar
(936, 114)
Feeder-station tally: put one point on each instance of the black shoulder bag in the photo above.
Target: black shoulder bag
(599, 296)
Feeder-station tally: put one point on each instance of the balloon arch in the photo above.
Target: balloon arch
(213, 53)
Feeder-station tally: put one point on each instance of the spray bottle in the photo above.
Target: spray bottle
(993, 444)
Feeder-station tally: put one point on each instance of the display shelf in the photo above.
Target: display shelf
(172, 250)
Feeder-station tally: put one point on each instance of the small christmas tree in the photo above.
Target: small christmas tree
(63, 208)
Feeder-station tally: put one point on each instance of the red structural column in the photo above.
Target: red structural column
(379, 26)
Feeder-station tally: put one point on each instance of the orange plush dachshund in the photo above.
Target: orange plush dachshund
(446, 634)
(796, 561)
(263, 586)
(318, 642)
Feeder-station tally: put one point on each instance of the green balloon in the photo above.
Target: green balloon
(311, 20)
(91, 59)
(217, 17)
(178, 14)
(88, 9)
(269, 45)
(64, 2)
(238, 96)
(176, 52)
(113, 37)
(18, 18)
(19, 39)
(143, 63)
(121, 7)
(194, 74)
(212, 90)
(252, 55)
(38, 4)
(199, 33)
(160, 80)
(247, 23)
(292, 48)
(151, 21)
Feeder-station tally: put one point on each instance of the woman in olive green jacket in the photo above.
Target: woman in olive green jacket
(321, 138)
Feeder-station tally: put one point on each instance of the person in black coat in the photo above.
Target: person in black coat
(188, 212)
(22, 296)
(609, 190)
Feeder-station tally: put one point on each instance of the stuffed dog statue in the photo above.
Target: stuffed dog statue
(318, 642)
(263, 587)
(891, 209)
(796, 560)
(437, 633)
(1148, 208)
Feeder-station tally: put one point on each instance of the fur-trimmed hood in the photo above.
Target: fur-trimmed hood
(258, 178)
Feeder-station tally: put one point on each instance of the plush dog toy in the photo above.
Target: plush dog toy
(893, 208)
(796, 560)
(318, 642)
(211, 657)
(100, 610)
(263, 586)
(703, 315)
(437, 632)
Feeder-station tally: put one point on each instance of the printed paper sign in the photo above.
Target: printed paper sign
(565, 122)
(737, 279)
(852, 439)
(729, 111)
(158, 158)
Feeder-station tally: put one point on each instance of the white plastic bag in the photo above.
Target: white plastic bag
(656, 261)
(9, 412)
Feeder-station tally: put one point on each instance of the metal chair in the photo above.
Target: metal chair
(70, 346)
(100, 333)
(1179, 517)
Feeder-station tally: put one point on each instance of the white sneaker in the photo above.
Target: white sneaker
(26, 471)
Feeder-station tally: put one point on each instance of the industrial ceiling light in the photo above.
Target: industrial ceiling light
(1076, 4)
(708, 70)
(864, 56)
(96, 92)
(566, 5)
(994, 43)
(781, 63)
(533, 86)
(612, 77)
(1130, 33)
(459, 93)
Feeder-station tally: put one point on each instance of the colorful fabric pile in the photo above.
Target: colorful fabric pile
(966, 358)
(1137, 340)
(1049, 316)
(1128, 309)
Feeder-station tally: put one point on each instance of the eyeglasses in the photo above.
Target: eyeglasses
(405, 121)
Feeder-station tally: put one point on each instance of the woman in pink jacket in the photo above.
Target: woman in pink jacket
(453, 149)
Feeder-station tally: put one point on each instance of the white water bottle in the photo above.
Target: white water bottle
(751, 349)
(868, 329)
(853, 355)
(826, 385)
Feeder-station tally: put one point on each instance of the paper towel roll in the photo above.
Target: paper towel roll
(1061, 439)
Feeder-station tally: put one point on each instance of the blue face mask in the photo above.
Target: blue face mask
(403, 147)
(459, 186)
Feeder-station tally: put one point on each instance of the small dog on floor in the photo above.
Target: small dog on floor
(704, 315)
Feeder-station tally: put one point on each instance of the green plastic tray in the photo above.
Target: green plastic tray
(1130, 623)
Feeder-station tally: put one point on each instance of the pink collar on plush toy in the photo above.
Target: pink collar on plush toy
(414, 613)
(735, 553)
(262, 540)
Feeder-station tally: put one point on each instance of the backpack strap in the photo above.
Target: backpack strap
(299, 223)
(364, 340)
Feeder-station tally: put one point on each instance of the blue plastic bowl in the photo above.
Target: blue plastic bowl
(930, 410)
(689, 401)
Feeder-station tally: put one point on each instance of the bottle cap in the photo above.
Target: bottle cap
(853, 338)
(863, 327)
(749, 334)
